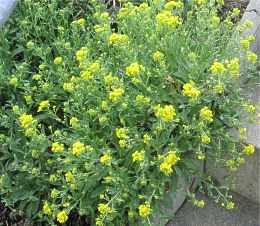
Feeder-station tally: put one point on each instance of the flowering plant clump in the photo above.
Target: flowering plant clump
(102, 114)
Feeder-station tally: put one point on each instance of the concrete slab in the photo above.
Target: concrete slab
(246, 213)
(247, 176)
(253, 14)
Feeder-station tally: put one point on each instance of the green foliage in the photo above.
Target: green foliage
(102, 114)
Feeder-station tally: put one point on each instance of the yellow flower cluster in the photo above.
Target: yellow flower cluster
(117, 39)
(82, 54)
(78, 148)
(219, 88)
(251, 57)
(69, 177)
(138, 156)
(104, 209)
(199, 203)
(205, 139)
(144, 209)
(58, 60)
(169, 161)
(249, 149)
(57, 147)
(62, 217)
(146, 138)
(166, 18)
(140, 99)
(200, 2)
(105, 159)
(245, 42)
(173, 4)
(121, 133)
(158, 56)
(110, 79)
(74, 121)
(79, 22)
(43, 105)
(26, 120)
(217, 68)
(115, 94)
(233, 67)
(190, 90)
(134, 69)
(206, 114)
(46, 209)
(166, 113)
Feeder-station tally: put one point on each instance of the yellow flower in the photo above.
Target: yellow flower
(101, 28)
(230, 205)
(146, 138)
(252, 57)
(58, 60)
(200, 155)
(81, 21)
(109, 79)
(250, 108)
(78, 148)
(169, 161)
(245, 43)
(43, 105)
(94, 67)
(26, 120)
(205, 139)
(115, 94)
(138, 156)
(166, 113)
(243, 132)
(105, 159)
(233, 67)
(206, 114)
(140, 99)
(62, 217)
(74, 121)
(217, 68)
(104, 209)
(166, 168)
(158, 56)
(144, 209)
(134, 69)
(122, 143)
(215, 20)
(68, 87)
(86, 75)
(82, 54)
(249, 149)
(219, 88)
(121, 133)
(200, 2)
(36, 77)
(166, 18)
(173, 4)
(190, 90)
(54, 193)
(13, 81)
(117, 39)
(69, 177)
(46, 209)
(57, 147)
(171, 158)
(199, 203)
(30, 45)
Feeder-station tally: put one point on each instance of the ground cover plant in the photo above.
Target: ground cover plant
(103, 111)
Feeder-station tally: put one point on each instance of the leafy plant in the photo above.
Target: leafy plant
(102, 114)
